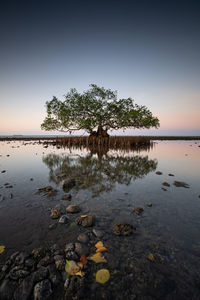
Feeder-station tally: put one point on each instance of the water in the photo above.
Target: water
(109, 186)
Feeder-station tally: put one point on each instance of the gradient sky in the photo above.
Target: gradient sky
(148, 50)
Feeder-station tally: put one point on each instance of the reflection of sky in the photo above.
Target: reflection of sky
(50, 47)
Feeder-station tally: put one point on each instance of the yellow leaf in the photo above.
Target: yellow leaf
(73, 268)
(80, 273)
(101, 249)
(83, 216)
(99, 244)
(97, 258)
(2, 248)
(102, 276)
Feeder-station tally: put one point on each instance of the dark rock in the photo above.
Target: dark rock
(81, 249)
(39, 253)
(29, 263)
(67, 197)
(123, 229)
(163, 189)
(69, 247)
(59, 262)
(41, 274)
(138, 210)
(68, 184)
(159, 173)
(16, 274)
(52, 226)
(87, 221)
(54, 214)
(54, 248)
(97, 233)
(83, 238)
(7, 289)
(42, 290)
(4, 171)
(14, 255)
(170, 174)
(23, 292)
(63, 219)
(45, 261)
(181, 184)
(149, 204)
(73, 209)
(165, 183)
(54, 275)
(21, 258)
(61, 208)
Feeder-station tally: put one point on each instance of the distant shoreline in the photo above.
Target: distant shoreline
(25, 138)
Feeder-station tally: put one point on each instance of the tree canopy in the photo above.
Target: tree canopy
(96, 108)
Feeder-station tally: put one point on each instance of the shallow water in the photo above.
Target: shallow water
(109, 186)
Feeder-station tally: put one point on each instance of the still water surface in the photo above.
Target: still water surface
(109, 186)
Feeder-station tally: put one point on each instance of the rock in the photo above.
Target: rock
(31, 179)
(61, 208)
(45, 261)
(81, 249)
(39, 253)
(16, 274)
(165, 183)
(21, 258)
(54, 214)
(138, 210)
(73, 209)
(69, 247)
(159, 173)
(181, 184)
(52, 226)
(40, 274)
(123, 229)
(152, 257)
(23, 292)
(67, 197)
(68, 184)
(14, 255)
(4, 171)
(54, 276)
(63, 219)
(59, 262)
(87, 221)
(71, 255)
(29, 263)
(83, 238)
(149, 204)
(1, 198)
(163, 189)
(7, 289)
(42, 290)
(55, 248)
(170, 174)
(11, 195)
(97, 233)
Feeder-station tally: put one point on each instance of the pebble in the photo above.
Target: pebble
(165, 183)
(67, 197)
(159, 173)
(81, 249)
(149, 204)
(97, 233)
(73, 209)
(63, 219)
(87, 221)
(83, 238)
(42, 290)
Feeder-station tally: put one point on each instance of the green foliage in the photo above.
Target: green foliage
(96, 107)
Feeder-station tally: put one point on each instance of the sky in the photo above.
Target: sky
(147, 50)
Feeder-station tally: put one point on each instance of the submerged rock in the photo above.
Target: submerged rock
(73, 209)
(159, 173)
(42, 290)
(138, 210)
(97, 233)
(86, 221)
(181, 184)
(83, 238)
(123, 229)
(165, 183)
(63, 219)
(149, 204)
(68, 184)
(67, 197)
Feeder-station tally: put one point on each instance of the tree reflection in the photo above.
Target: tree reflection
(98, 174)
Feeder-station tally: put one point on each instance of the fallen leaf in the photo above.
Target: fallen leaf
(83, 259)
(73, 224)
(2, 248)
(99, 244)
(83, 216)
(101, 249)
(102, 276)
(97, 258)
(72, 268)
